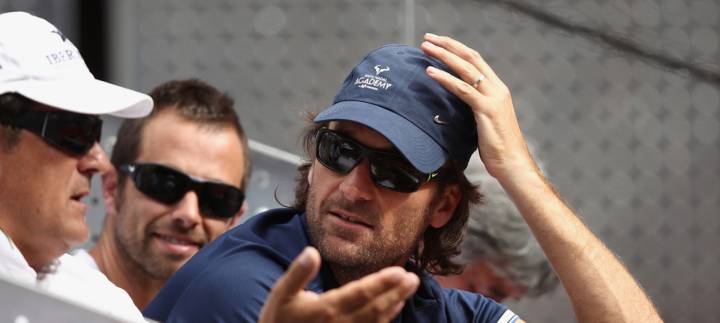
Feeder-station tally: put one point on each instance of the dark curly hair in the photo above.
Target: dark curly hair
(438, 246)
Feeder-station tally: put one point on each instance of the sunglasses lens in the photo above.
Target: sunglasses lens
(169, 186)
(71, 132)
(77, 133)
(161, 183)
(337, 153)
(395, 174)
(388, 170)
(220, 200)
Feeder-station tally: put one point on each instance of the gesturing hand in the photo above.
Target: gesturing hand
(378, 297)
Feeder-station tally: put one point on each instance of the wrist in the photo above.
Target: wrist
(512, 173)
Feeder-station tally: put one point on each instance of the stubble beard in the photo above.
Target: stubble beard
(141, 254)
(368, 254)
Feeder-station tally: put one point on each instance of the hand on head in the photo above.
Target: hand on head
(500, 140)
(378, 297)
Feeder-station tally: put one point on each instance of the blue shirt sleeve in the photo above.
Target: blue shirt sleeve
(463, 306)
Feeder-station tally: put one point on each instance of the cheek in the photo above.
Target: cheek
(323, 182)
(136, 213)
(215, 227)
(404, 209)
(54, 189)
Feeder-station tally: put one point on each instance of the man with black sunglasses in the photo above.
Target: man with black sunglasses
(178, 183)
(383, 202)
(49, 131)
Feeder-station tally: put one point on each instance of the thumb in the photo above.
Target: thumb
(302, 270)
(298, 275)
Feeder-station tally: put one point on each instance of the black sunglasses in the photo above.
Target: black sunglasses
(71, 132)
(169, 186)
(389, 170)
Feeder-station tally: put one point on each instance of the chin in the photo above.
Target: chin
(77, 237)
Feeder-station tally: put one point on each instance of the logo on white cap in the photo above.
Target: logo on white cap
(60, 34)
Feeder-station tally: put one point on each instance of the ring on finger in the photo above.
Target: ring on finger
(478, 80)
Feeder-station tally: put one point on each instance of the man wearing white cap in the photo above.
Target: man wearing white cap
(49, 132)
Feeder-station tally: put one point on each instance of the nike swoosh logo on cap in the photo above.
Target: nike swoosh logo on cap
(438, 120)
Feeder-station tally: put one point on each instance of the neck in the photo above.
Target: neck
(141, 287)
(38, 257)
(345, 274)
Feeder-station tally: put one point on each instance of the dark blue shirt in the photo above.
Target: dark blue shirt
(229, 279)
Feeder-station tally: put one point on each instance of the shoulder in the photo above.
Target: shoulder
(233, 290)
(12, 263)
(453, 305)
(76, 268)
(83, 256)
(272, 227)
(477, 307)
(75, 280)
(230, 278)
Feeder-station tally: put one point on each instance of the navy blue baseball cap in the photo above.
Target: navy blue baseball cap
(390, 93)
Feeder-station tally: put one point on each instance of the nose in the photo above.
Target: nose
(357, 185)
(94, 161)
(186, 213)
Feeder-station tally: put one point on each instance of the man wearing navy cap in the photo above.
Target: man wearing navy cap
(384, 201)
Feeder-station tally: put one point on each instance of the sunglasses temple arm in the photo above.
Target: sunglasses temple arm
(44, 126)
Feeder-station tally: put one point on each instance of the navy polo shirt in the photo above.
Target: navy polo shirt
(230, 278)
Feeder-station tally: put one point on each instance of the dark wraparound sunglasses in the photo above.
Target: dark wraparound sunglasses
(387, 169)
(73, 133)
(169, 186)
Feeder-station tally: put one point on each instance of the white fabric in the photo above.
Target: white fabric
(508, 317)
(39, 62)
(73, 280)
(83, 256)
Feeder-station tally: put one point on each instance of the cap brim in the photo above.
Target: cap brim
(419, 148)
(89, 96)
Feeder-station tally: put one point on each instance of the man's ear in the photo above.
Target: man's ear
(445, 207)
(110, 191)
(236, 218)
(310, 173)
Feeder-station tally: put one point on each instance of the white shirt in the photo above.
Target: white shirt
(85, 257)
(73, 280)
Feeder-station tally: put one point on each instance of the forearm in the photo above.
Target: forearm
(599, 286)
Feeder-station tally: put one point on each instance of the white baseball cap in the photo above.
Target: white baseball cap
(40, 63)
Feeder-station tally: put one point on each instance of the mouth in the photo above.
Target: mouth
(79, 196)
(178, 244)
(350, 218)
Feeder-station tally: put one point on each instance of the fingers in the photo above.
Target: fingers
(467, 71)
(302, 270)
(377, 297)
(483, 96)
(388, 305)
(463, 90)
(460, 52)
(289, 288)
(384, 289)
